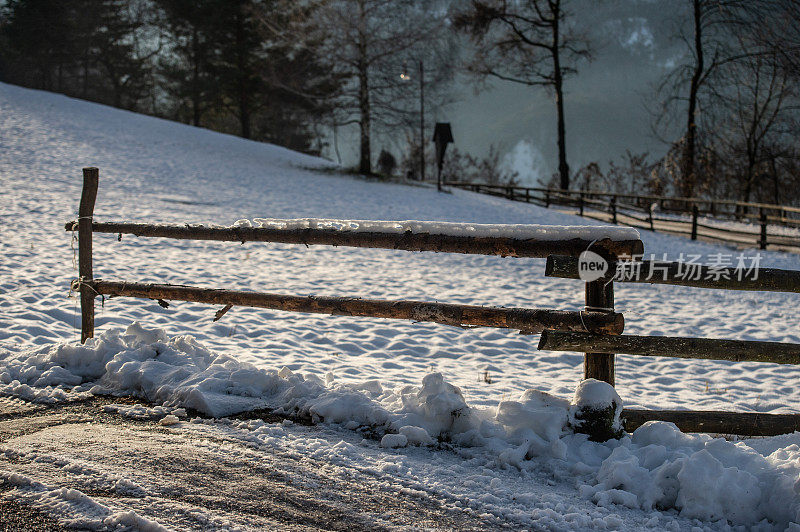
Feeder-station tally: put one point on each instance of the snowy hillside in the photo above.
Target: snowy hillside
(368, 372)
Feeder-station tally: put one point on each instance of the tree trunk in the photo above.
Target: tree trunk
(558, 83)
(775, 181)
(244, 75)
(749, 179)
(85, 87)
(688, 172)
(365, 162)
(195, 79)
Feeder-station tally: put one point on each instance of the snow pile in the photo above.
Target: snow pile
(535, 425)
(438, 408)
(142, 412)
(657, 467)
(179, 372)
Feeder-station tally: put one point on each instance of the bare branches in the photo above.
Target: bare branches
(367, 43)
(533, 43)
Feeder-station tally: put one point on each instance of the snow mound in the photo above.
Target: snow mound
(394, 440)
(655, 468)
(535, 424)
(596, 394)
(706, 478)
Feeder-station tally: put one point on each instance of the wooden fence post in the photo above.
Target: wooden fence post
(650, 217)
(600, 366)
(547, 199)
(85, 214)
(613, 205)
(763, 240)
(695, 212)
(527, 195)
(580, 203)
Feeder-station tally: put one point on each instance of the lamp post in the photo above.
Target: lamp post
(406, 76)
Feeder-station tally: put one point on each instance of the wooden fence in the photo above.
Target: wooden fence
(596, 331)
(674, 215)
(703, 276)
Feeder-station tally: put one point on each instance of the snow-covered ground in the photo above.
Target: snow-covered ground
(366, 372)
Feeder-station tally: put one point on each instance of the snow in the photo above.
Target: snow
(596, 394)
(515, 231)
(657, 467)
(484, 416)
(93, 515)
(706, 478)
(394, 440)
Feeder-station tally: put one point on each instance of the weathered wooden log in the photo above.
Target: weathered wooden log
(671, 346)
(408, 241)
(738, 423)
(91, 177)
(526, 320)
(685, 274)
(600, 366)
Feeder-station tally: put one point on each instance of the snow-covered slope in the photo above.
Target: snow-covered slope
(155, 170)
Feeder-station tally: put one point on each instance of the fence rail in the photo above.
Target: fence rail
(596, 331)
(528, 321)
(670, 346)
(406, 241)
(641, 211)
(684, 274)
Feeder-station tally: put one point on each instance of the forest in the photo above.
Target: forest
(297, 72)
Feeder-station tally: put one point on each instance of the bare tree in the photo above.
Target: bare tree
(781, 35)
(532, 42)
(756, 129)
(699, 31)
(368, 43)
(735, 90)
(716, 34)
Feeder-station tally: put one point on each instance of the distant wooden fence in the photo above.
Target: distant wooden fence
(645, 212)
(597, 330)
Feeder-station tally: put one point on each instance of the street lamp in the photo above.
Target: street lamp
(406, 76)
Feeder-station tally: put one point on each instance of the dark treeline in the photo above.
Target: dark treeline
(280, 71)
(293, 72)
(211, 63)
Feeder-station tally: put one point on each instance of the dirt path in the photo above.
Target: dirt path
(195, 477)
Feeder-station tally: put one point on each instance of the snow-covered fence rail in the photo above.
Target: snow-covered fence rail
(504, 240)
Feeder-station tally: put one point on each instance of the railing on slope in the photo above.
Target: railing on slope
(642, 211)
